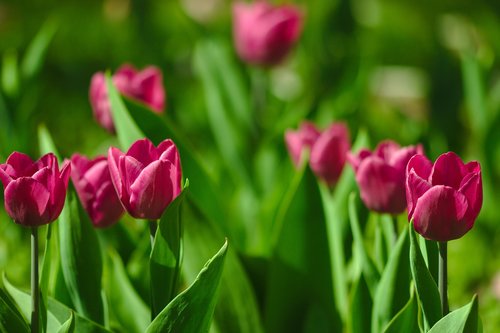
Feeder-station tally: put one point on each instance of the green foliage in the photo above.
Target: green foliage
(463, 320)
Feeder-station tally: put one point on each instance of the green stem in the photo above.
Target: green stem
(443, 276)
(153, 225)
(35, 288)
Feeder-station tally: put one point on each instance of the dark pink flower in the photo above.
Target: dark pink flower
(297, 141)
(381, 175)
(34, 191)
(146, 178)
(444, 199)
(264, 33)
(145, 86)
(95, 189)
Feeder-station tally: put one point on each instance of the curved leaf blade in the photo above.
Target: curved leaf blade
(463, 320)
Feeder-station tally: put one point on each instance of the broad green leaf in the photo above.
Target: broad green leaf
(10, 73)
(367, 266)
(463, 320)
(35, 54)
(192, 310)
(69, 325)
(81, 260)
(165, 258)
(361, 306)
(130, 310)
(126, 129)
(406, 320)
(237, 309)
(57, 315)
(11, 320)
(393, 290)
(46, 143)
(427, 290)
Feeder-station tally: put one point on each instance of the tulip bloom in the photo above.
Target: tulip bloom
(95, 189)
(381, 175)
(145, 86)
(146, 178)
(444, 199)
(297, 141)
(34, 191)
(264, 33)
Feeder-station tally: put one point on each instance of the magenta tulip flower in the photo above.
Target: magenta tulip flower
(297, 141)
(444, 199)
(381, 175)
(145, 86)
(264, 33)
(146, 178)
(95, 189)
(34, 191)
(329, 153)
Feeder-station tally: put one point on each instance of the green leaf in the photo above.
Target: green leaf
(126, 129)
(130, 310)
(46, 143)
(426, 287)
(463, 320)
(11, 320)
(393, 290)
(237, 309)
(68, 326)
(165, 258)
(35, 54)
(406, 320)
(361, 306)
(10, 73)
(191, 311)
(81, 260)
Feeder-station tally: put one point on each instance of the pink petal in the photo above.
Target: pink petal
(415, 188)
(421, 165)
(152, 191)
(106, 208)
(399, 159)
(143, 151)
(440, 214)
(99, 101)
(472, 189)
(386, 149)
(114, 155)
(149, 88)
(26, 202)
(448, 170)
(4, 176)
(356, 159)
(98, 172)
(21, 164)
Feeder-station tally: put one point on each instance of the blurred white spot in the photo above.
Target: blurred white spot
(286, 84)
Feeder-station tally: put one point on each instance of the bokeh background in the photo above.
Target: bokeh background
(424, 72)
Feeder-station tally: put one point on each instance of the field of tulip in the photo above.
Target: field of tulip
(224, 166)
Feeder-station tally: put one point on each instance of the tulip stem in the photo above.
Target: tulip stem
(153, 225)
(443, 276)
(35, 288)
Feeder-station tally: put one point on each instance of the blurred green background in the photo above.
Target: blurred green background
(413, 72)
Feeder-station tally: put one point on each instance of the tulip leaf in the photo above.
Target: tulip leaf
(463, 320)
(165, 256)
(81, 260)
(237, 309)
(393, 290)
(10, 73)
(46, 142)
(427, 290)
(406, 320)
(130, 310)
(361, 306)
(69, 325)
(57, 314)
(191, 311)
(11, 320)
(35, 53)
(126, 129)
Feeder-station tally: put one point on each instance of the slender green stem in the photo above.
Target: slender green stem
(153, 225)
(35, 288)
(443, 276)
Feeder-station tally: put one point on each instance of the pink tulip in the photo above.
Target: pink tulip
(264, 33)
(145, 86)
(444, 199)
(329, 152)
(34, 191)
(297, 141)
(146, 178)
(381, 175)
(95, 189)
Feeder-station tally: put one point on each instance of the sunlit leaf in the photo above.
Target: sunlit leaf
(463, 320)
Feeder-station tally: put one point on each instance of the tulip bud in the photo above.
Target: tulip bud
(381, 175)
(264, 33)
(329, 152)
(146, 178)
(444, 199)
(297, 141)
(95, 189)
(145, 86)
(34, 191)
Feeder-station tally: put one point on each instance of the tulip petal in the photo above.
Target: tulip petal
(26, 202)
(448, 170)
(415, 188)
(106, 208)
(356, 159)
(421, 165)
(440, 214)
(19, 165)
(114, 155)
(97, 173)
(149, 88)
(386, 149)
(152, 191)
(4, 176)
(400, 158)
(472, 188)
(143, 151)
